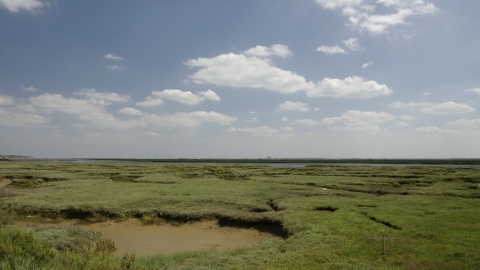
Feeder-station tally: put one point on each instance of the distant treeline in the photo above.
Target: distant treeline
(311, 161)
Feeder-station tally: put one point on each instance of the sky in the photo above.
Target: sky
(240, 79)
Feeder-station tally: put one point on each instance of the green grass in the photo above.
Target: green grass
(330, 217)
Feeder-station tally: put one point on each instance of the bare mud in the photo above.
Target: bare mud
(5, 182)
(147, 240)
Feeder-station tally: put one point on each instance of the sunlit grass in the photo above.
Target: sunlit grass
(332, 216)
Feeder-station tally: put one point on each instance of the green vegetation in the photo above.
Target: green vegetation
(327, 217)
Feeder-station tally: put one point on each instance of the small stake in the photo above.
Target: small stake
(383, 236)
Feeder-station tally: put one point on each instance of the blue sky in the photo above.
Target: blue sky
(240, 79)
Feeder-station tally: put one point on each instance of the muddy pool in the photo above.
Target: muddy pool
(146, 240)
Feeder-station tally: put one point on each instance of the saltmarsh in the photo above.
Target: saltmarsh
(325, 217)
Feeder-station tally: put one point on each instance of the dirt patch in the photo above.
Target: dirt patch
(131, 235)
(5, 182)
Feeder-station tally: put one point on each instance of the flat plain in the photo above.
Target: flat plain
(319, 217)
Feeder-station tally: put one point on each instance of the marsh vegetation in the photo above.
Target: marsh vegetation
(328, 217)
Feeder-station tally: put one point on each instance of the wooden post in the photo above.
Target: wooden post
(383, 237)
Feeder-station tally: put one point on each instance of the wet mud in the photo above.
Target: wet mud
(147, 240)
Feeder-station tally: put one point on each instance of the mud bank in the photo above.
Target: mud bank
(147, 240)
(5, 182)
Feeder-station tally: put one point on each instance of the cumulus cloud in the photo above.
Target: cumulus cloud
(242, 71)
(92, 93)
(276, 50)
(115, 67)
(192, 119)
(427, 93)
(112, 57)
(354, 120)
(350, 87)
(17, 5)
(257, 131)
(331, 50)
(239, 70)
(150, 102)
(360, 13)
(6, 100)
(251, 120)
(130, 111)
(429, 129)
(89, 110)
(29, 89)
(294, 106)
(21, 119)
(475, 90)
(287, 128)
(465, 123)
(186, 97)
(306, 122)
(353, 44)
(364, 66)
(441, 109)
(210, 95)
(401, 124)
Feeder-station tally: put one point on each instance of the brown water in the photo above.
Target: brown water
(131, 235)
(5, 182)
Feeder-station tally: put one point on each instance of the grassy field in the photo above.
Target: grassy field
(325, 217)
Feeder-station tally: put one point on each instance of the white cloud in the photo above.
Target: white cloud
(284, 119)
(448, 108)
(153, 134)
(316, 109)
(294, 106)
(130, 111)
(192, 119)
(307, 122)
(350, 87)
(29, 89)
(407, 117)
(442, 108)
(6, 100)
(112, 57)
(464, 122)
(253, 112)
(475, 90)
(92, 93)
(334, 4)
(411, 105)
(354, 120)
(289, 129)
(401, 124)
(252, 120)
(259, 131)
(360, 13)
(429, 129)
(262, 51)
(21, 119)
(115, 67)
(239, 70)
(427, 93)
(88, 110)
(185, 97)
(150, 101)
(25, 108)
(364, 66)
(352, 44)
(17, 5)
(331, 50)
(209, 94)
